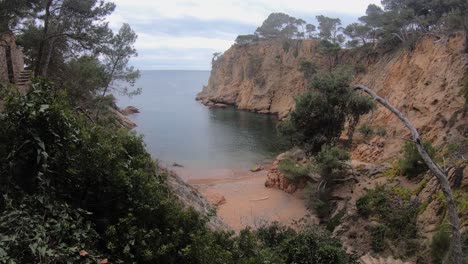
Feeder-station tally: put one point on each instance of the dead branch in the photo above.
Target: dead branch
(457, 253)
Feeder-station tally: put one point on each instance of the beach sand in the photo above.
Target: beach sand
(245, 201)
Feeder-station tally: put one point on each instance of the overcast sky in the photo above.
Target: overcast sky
(183, 34)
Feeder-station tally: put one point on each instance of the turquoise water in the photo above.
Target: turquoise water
(177, 128)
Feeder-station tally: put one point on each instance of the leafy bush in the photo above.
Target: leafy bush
(440, 245)
(363, 205)
(381, 131)
(412, 163)
(331, 162)
(321, 112)
(378, 237)
(292, 170)
(307, 245)
(308, 68)
(366, 130)
(393, 209)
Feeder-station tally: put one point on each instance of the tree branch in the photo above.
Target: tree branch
(457, 253)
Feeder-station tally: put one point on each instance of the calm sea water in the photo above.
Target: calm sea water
(177, 128)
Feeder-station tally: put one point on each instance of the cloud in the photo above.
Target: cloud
(148, 42)
(185, 33)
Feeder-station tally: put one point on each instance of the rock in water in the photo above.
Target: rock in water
(130, 110)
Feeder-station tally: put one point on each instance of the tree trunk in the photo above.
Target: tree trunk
(37, 67)
(352, 127)
(457, 253)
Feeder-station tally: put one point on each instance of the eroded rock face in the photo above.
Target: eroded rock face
(423, 83)
(262, 77)
(191, 197)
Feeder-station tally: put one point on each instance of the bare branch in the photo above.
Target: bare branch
(457, 253)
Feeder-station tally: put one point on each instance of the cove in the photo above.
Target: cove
(207, 142)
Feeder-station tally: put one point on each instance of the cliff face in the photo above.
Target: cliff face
(262, 77)
(423, 83)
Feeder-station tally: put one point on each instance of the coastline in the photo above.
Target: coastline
(242, 200)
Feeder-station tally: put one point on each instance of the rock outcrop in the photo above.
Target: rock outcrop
(189, 196)
(261, 77)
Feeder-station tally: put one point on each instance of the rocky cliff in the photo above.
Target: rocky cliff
(424, 83)
(262, 77)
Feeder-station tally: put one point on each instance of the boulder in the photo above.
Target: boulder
(130, 110)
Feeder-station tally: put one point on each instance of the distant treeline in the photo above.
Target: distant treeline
(398, 22)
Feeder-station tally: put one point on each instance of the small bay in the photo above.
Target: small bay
(178, 129)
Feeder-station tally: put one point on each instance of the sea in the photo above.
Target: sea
(177, 129)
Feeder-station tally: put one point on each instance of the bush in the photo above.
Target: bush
(307, 245)
(381, 132)
(412, 163)
(392, 208)
(362, 205)
(378, 237)
(321, 112)
(292, 170)
(366, 130)
(440, 245)
(331, 163)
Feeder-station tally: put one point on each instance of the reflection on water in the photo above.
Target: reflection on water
(178, 129)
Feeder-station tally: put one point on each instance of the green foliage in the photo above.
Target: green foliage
(381, 131)
(440, 245)
(279, 25)
(292, 170)
(335, 221)
(412, 163)
(117, 53)
(331, 162)
(308, 68)
(329, 29)
(36, 229)
(395, 211)
(378, 237)
(321, 112)
(70, 185)
(246, 39)
(367, 131)
(363, 205)
(307, 245)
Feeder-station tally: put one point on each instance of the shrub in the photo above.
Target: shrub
(366, 130)
(440, 245)
(394, 209)
(321, 112)
(363, 206)
(378, 237)
(412, 163)
(331, 162)
(308, 68)
(335, 221)
(307, 245)
(380, 131)
(292, 170)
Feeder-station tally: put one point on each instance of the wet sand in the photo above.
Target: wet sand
(247, 201)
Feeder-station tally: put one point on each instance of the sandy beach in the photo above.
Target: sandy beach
(243, 200)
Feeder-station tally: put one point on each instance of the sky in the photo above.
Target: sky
(183, 34)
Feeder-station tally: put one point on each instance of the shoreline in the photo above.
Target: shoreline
(242, 200)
